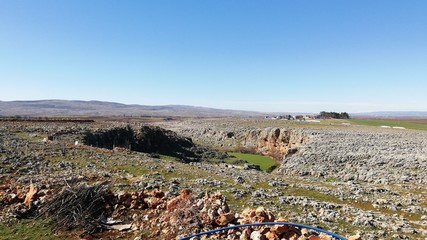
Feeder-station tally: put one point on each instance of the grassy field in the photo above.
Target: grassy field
(28, 229)
(406, 123)
(262, 161)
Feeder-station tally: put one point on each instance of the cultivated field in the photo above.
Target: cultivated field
(420, 124)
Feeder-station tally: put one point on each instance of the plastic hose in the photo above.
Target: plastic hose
(263, 224)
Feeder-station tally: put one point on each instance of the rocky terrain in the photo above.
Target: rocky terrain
(346, 179)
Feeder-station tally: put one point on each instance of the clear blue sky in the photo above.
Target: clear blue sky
(287, 55)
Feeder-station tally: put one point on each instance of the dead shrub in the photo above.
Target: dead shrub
(79, 207)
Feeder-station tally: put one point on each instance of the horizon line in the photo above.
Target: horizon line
(217, 108)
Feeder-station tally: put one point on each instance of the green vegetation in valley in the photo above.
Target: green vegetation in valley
(262, 161)
(390, 123)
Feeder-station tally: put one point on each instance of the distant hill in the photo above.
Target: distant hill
(99, 108)
(392, 114)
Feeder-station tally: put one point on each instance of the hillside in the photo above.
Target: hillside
(99, 108)
(55, 107)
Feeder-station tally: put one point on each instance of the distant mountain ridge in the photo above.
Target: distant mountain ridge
(100, 108)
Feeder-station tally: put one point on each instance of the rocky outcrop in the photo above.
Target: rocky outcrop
(275, 142)
(150, 139)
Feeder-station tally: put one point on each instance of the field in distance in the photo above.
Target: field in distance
(419, 124)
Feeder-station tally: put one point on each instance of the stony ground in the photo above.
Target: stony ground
(346, 179)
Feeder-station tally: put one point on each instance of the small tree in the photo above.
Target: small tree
(344, 115)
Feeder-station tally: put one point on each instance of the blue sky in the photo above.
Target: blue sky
(304, 56)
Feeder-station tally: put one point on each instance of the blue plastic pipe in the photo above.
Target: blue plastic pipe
(263, 224)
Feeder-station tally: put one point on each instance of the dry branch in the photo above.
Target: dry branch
(80, 206)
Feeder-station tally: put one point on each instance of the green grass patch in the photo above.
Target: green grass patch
(134, 169)
(29, 137)
(312, 194)
(79, 161)
(262, 161)
(166, 157)
(331, 179)
(28, 229)
(233, 161)
(391, 123)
